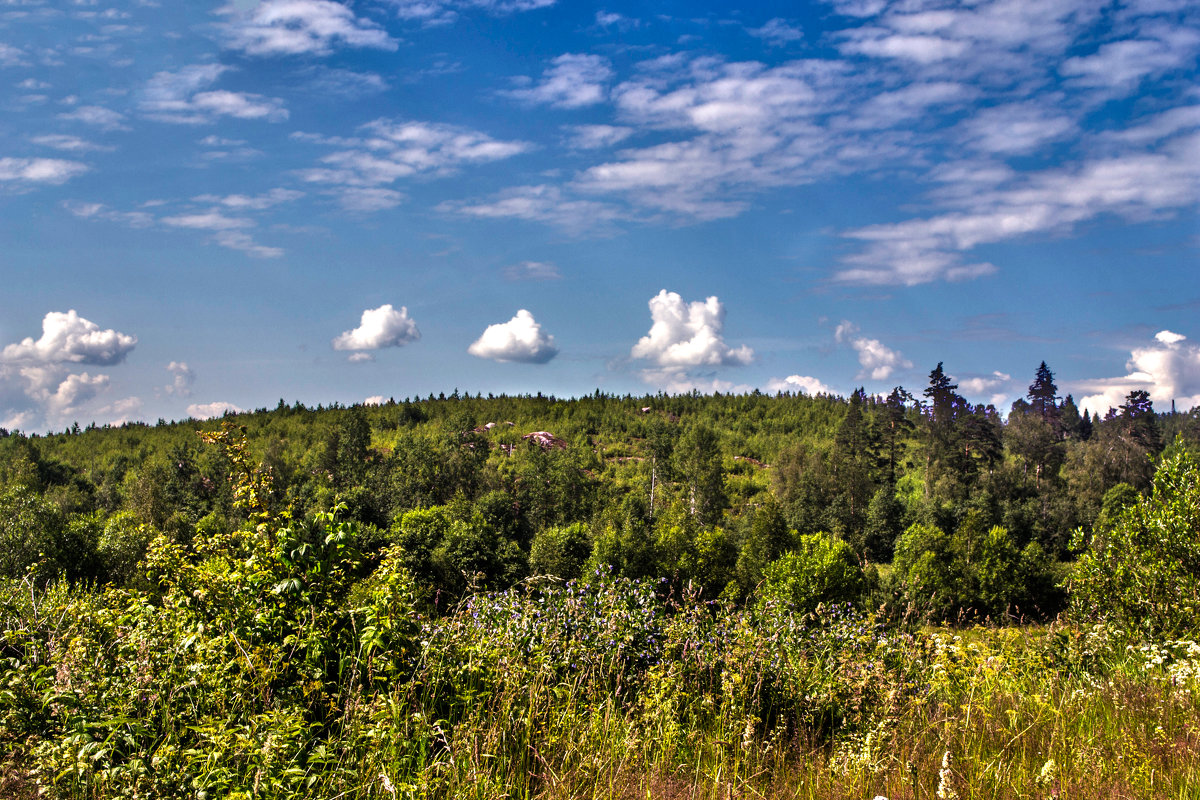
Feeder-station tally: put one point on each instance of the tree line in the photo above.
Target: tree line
(924, 499)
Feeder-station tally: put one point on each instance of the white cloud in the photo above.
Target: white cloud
(1016, 128)
(743, 127)
(798, 383)
(443, 12)
(368, 199)
(532, 271)
(878, 361)
(777, 32)
(1137, 187)
(69, 338)
(995, 386)
(375, 400)
(541, 203)
(678, 381)
(35, 375)
(176, 97)
(257, 202)
(360, 358)
(182, 380)
(120, 411)
(390, 150)
(293, 27)
(345, 83)
(688, 334)
(60, 141)
(226, 231)
(10, 56)
(217, 408)
(594, 137)
(98, 117)
(1122, 65)
(134, 219)
(921, 48)
(575, 80)
(23, 171)
(243, 242)
(1169, 369)
(520, 339)
(74, 391)
(212, 220)
(1161, 126)
(379, 327)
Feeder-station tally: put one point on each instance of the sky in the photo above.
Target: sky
(212, 206)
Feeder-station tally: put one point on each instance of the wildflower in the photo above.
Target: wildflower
(1048, 773)
(945, 790)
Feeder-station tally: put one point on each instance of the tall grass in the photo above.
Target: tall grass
(600, 690)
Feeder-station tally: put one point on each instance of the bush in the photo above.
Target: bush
(561, 551)
(821, 569)
(1141, 570)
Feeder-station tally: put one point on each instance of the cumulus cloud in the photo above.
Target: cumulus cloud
(995, 386)
(182, 379)
(218, 408)
(532, 271)
(1168, 368)
(68, 338)
(688, 334)
(878, 361)
(379, 327)
(574, 80)
(73, 392)
(520, 339)
(678, 381)
(798, 383)
(36, 377)
(26, 171)
(294, 27)
(177, 97)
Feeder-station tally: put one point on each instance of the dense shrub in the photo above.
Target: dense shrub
(1141, 566)
(821, 569)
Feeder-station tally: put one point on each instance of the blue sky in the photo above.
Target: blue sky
(215, 205)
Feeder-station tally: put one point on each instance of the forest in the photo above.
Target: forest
(694, 595)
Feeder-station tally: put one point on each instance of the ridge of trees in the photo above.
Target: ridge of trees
(970, 510)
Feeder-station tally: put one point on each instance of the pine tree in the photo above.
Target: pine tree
(1043, 394)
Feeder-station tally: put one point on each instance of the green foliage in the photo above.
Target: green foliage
(561, 551)
(32, 533)
(821, 569)
(1140, 570)
(122, 546)
(977, 568)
